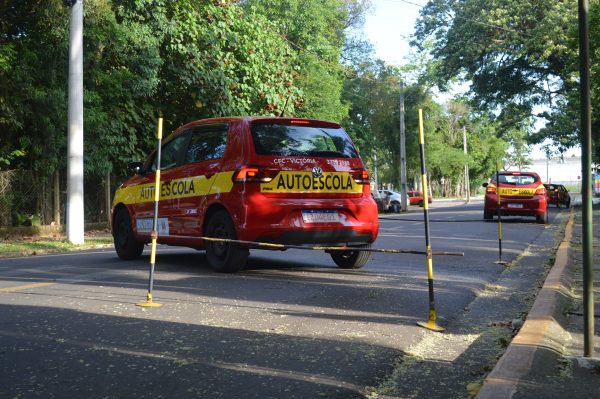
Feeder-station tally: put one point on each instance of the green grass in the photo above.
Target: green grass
(51, 245)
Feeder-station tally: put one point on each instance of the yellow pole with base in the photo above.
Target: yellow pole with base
(430, 324)
(500, 261)
(154, 234)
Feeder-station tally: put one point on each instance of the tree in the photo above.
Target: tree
(316, 31)
(516, 54)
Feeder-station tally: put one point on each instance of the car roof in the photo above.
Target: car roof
(262, 119)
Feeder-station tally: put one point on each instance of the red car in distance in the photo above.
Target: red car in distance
(521, 194)
(416, 198)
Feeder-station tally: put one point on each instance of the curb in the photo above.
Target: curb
(542, 330)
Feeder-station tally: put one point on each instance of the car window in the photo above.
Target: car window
(206, 143)
(171, 152)
(292, 140)
(517, 179)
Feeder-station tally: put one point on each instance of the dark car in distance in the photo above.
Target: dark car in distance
(558, 195)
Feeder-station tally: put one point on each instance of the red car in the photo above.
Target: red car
(521, 194)
(416, 198)
(273, 180)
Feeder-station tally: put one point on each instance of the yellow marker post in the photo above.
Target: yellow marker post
(154, 234)
(430, 324)
(500, 261)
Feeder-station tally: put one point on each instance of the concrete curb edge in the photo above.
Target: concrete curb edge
(541, 330)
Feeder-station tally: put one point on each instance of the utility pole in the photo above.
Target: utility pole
(403, 190)
(467, 183)
(75, 210)
(376, 182)
(586, 188)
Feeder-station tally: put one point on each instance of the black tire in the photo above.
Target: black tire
(487, 215)
(351, 259)
(568, 204)
(126, 245)
(421, 203)
(224, 257)
(542, 219)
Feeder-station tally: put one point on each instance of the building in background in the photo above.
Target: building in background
(565, 171)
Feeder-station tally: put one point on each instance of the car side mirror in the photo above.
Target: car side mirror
(484, 185)
(135, 167)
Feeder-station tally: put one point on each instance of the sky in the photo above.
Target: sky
(388, 27)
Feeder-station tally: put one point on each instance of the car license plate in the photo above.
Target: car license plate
(515, 205)
(320, 216)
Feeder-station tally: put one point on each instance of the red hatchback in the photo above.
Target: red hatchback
(269, 180)
(521, 194)
(416, 198)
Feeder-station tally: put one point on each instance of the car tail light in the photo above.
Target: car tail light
(540, 191)
(361, 176)
(491, 189)
(256, 174)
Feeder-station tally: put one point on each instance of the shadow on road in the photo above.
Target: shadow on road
(53, 352)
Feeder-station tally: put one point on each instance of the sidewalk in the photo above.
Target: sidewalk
(545, 360)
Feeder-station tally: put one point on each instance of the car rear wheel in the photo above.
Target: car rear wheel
(126, 245)
(351, 259)
(542, 219)
(224, 257)
(487, 215)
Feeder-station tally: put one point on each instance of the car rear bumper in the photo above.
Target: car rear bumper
(280, 220)
(517, 206)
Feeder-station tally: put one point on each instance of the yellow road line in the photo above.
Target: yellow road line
(24, 287)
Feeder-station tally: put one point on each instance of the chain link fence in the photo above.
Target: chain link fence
(27, 199)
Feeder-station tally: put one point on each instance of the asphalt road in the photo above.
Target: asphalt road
(292, 325)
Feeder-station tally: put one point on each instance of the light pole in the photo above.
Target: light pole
(403, 185)
(75, 209)
(467, 182)
(442, 180)
(375, 164)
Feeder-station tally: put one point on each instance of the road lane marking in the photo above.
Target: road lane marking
(24, 287)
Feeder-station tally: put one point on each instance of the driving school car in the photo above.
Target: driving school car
(256, 180)
(521, 194)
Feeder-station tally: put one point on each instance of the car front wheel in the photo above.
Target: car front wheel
(351, 259)
(126, 245)
(224, 257)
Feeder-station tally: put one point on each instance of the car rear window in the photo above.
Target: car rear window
(517, 180)
(292, 140)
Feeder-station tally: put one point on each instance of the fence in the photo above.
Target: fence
(28, 199)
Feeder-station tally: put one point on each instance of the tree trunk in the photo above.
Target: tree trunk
(56, 201)
(107, 196)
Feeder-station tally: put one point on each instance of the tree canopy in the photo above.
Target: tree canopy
(191, 59)
(519, 57)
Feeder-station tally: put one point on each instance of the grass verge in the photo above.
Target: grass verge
(40, 246)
